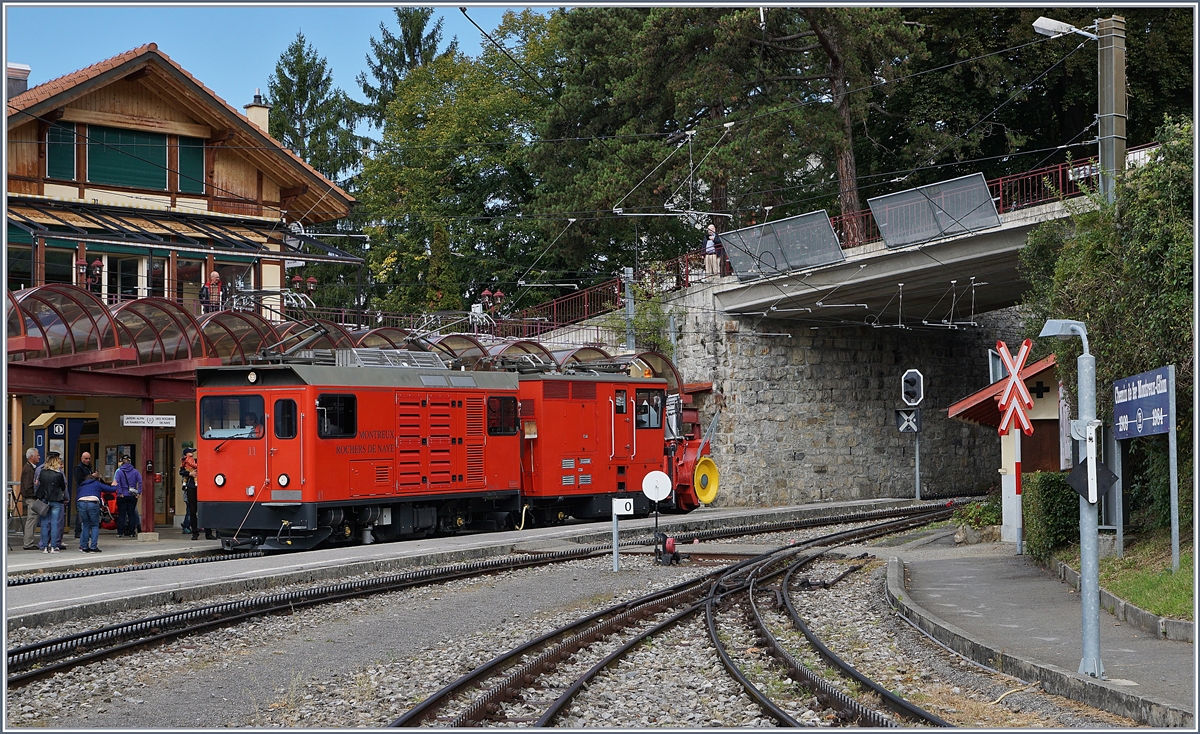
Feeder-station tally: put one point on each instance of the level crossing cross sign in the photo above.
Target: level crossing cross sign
(1015, 400)
(909, 421)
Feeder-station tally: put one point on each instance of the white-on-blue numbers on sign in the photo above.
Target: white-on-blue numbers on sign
(1140, 404)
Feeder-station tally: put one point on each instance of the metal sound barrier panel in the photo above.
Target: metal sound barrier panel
(775, 248)
(938, 210)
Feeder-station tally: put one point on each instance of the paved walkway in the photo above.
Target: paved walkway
(1009, 605)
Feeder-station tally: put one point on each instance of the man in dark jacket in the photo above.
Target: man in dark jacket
(32, 459)
(129, 490)
(80, 474)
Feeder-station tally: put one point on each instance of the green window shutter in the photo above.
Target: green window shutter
(191, 165)
(127, 158)
(18, 235)
(60, 151)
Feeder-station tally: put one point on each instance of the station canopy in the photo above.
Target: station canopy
(77, 330)
(237, 336)
(65, 339)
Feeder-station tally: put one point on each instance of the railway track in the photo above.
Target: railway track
(43, 578)
(39, 660)
(515, 687)
(710, 534)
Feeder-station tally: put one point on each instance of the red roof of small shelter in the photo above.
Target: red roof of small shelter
(982, 408)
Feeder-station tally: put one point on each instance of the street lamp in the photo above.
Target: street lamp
(491, 301)
(1089, 524)
(297, 283)
(97, 270)
(1110, 38)
(312, 284)
(1054, 28)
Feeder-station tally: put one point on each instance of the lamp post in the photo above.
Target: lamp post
(96, 271)
(1110, 38)
(1089, 553)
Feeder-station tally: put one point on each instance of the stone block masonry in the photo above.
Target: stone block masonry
(812, 417)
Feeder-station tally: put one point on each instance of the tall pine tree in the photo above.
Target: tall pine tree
(310, 115)
(392, 57)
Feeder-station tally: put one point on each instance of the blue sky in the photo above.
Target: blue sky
(232, 50)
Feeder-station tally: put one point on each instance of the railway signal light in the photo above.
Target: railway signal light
(912, 388)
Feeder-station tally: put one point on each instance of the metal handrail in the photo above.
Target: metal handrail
(1010, 193)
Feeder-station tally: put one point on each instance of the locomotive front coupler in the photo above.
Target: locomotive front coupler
(241, 544)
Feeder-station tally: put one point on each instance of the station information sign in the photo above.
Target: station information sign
(148, 421)
(1141, 404)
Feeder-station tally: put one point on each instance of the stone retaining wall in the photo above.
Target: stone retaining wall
(811, 416)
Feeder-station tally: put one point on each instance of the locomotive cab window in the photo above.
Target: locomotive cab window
(231, 417)
(620, 404)
(502, 416)
(337, 416)
(285, 418)
(648, 405)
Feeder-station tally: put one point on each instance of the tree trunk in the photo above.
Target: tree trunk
(839, 86)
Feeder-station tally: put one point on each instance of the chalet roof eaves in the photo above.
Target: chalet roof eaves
(39, 100)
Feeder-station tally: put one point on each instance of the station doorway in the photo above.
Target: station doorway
(165, 466)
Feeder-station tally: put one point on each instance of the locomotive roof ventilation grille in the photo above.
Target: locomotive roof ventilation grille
(373, 357)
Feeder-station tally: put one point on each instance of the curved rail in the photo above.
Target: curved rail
(825, 691)
(894, 702)
(517, 670)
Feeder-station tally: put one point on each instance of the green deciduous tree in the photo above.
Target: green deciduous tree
(1125, 270)
(444, 292)
(452, 155)
(310, 115)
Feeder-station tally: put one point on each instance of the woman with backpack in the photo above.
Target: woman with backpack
(52, 489)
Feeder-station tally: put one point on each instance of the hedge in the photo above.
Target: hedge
(1050, 510)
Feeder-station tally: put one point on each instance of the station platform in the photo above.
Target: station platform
(170, 544)
(983, 601)
(1009, 614)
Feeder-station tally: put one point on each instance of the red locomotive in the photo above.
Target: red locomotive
(294, 455)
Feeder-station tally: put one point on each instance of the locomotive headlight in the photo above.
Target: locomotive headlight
(252, 377)
(219, 480)
(283, 480)
(250, 491)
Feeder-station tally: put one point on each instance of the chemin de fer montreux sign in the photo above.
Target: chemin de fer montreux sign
(1141, 404)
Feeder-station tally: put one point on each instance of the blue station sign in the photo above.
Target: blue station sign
(1141, 404)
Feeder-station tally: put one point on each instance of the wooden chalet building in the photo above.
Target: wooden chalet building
(128, 183)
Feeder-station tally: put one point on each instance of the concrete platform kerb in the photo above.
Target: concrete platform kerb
(1053, 679)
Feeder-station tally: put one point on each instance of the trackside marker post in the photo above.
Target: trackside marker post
(620, 506)
(1015, 401)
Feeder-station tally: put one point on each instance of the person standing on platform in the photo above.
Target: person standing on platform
(129, 490)
(52, 489)
(32, 518)
(80, 474)
(87, 507)
(187, 471)
(712, 256)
